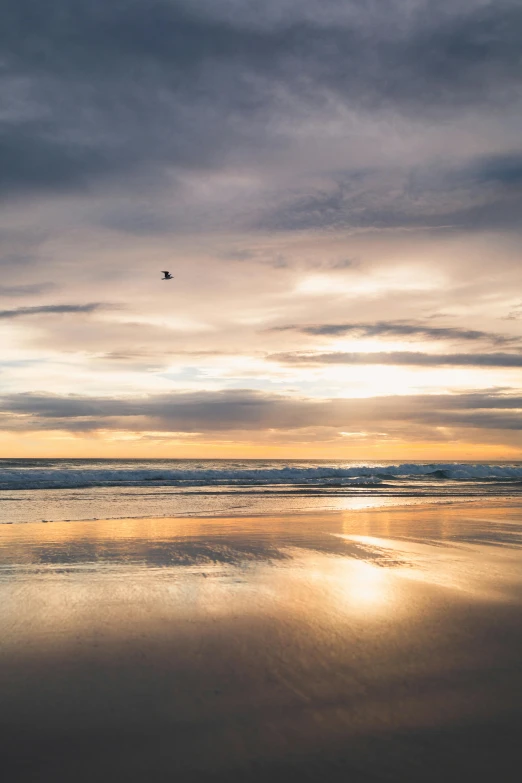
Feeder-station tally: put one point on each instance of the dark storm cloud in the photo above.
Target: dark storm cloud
(31, 161)
(20, 312)
(96, 88)
(505, 169)
(248, 410)
(397, 329)
(406, 358)
(391, 52)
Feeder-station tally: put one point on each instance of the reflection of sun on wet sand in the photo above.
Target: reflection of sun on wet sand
(370, 645)
(477, 569)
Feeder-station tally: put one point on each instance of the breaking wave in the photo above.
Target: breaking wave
(77, 474)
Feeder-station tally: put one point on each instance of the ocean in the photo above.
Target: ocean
(34, 490)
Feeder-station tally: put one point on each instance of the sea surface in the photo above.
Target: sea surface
(76, 489)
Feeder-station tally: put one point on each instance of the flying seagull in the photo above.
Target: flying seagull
(166, 275)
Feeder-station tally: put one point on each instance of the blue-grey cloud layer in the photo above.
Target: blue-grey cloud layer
(395, 329)
(58, 309)
(404, 358)
(214, 412)
(103, 90)
(484, 194)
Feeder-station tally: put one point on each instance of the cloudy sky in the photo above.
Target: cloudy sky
(336, 187)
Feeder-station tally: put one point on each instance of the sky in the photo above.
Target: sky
(336, 188)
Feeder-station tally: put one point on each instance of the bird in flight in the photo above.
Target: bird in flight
(166, 275)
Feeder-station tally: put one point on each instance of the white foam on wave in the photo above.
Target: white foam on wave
(57, 476)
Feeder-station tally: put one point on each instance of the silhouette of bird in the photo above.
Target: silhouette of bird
(166, 275)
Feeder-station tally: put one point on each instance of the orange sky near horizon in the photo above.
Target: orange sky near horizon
(60, 446)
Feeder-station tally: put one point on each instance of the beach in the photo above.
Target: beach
(362, 645)
(260, 391)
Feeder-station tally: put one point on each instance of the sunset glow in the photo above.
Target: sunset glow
(310, 221)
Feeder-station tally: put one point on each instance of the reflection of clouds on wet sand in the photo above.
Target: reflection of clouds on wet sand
(468, 547)
(249, 648)
(481, 522)
(172, 568)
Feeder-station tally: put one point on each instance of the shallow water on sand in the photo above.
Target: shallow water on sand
(359, 645)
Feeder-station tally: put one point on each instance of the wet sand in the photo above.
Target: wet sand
(376, 645)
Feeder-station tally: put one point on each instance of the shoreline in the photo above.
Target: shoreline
(423, 502)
